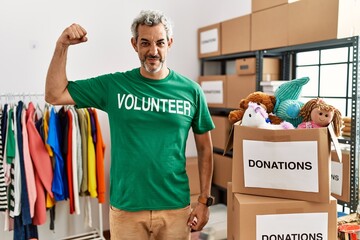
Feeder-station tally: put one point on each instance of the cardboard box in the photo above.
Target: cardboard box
(268, 218)
(269, 28)
(235, 35)
(230, 211)
(258, 5)
(247, 66)
(192, 170)
(209, 41)
(222, 170)
(293, 164)
(340, 176)
(270, 87)
(221, 131)
(239, 87)
(313, 21)
(214, 87)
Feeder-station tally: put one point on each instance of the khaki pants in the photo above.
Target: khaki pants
(154, 225)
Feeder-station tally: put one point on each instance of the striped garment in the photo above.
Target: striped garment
(3, 195)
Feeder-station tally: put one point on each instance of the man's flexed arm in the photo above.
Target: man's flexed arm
(56, 80)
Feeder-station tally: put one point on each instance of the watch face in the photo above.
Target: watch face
(209, 201)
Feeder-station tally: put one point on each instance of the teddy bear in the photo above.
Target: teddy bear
(268, 102)
(317, 113)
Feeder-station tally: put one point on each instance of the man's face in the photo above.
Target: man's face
(152, 47)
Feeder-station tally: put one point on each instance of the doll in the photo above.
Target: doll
(316, 113)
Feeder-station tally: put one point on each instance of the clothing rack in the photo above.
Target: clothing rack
(95, 233)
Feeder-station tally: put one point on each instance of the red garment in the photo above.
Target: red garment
(100, 149)
(40, 204)
(43, 170)
(69, 165)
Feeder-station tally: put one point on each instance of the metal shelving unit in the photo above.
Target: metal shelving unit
(287, 55)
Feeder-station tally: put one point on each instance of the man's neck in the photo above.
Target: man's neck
(163, 73)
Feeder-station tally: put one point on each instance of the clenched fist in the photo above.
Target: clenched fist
(72, 35)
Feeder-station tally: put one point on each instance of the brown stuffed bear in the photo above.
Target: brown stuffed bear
(266, 100)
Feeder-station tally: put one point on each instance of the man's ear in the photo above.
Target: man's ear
(133, 43)
(170, 42)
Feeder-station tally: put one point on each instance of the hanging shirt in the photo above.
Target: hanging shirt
(29, 169)
(42, 166)
(17, 186)
(75, 157)
(53, 141)
(3, 188)
(38, 152)
(69, 169)
(100, 171)
(84, 152)
(91, 159)
(63, 141)
(24, 212)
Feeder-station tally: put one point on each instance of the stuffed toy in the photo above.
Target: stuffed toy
(316, 113)
(256, 116)
(268, 102)
(287, 105)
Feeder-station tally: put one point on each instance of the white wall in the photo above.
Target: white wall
(30, 28)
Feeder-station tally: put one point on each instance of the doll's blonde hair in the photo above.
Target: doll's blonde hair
(306, 110)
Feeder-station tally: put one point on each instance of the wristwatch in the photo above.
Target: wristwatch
(207, 201)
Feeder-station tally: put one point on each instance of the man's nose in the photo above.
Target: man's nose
(153, 49)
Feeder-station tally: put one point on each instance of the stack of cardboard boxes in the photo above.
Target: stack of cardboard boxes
(280, 185)
(281, 23)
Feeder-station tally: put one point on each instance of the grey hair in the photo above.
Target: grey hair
(151, 18)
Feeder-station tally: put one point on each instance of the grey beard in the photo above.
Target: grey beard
(152, 70)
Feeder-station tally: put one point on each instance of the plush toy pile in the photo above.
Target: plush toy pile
(284, 110)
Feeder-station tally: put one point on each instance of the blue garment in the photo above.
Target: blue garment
(58, 187)
(26, 232)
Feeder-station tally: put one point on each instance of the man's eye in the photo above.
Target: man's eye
(161, 44)
(144, 44)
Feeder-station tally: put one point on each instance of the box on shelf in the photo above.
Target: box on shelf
(270, 87)
(340, 176)
(269, 28)
(221, 131)
(209, 41)
(235, 35)
(268, 218)
(313, 21)
(293, 164)
(258, 5)
(222, 170)
(247, 66)
(214, 87)
(239, 87)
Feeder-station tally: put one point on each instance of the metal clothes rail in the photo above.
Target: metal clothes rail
(96, 233)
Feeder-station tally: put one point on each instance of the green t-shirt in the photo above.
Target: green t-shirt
(149, 125)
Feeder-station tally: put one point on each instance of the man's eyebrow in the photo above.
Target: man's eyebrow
(146, 40)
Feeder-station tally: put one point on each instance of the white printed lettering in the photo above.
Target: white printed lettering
(129, 101)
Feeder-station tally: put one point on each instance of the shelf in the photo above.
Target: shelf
(287, 54)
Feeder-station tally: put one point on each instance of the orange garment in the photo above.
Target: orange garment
(100, 149)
